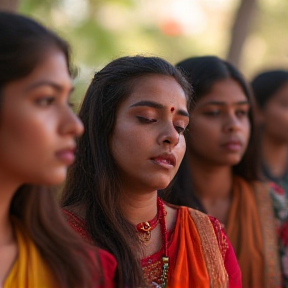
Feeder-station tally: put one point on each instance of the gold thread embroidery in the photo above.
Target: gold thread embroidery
(268, 227)
(213, 257)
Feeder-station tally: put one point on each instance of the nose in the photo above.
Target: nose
(71, 124)
(232, 124)
(168, 135)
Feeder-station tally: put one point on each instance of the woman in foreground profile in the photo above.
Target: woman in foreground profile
(135, 113)
(37, 143)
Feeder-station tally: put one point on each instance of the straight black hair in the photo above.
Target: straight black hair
(266, 84)
(202, 73)
(93, 180)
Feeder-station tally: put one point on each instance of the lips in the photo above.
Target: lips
(67, 156)
(166, 160)
(232, 145)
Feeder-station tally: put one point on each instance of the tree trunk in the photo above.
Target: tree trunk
(243, 20)
(9, 5)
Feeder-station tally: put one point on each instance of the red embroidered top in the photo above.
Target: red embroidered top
(152, 265)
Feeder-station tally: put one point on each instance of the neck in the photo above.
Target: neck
(212, 184)
(139, 208)
(6, 194)
(210, 181)
(274, 154)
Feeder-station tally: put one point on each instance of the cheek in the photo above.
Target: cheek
(247, 128)
(180, 150)
(125, 142)
(203, 132)
(278, 117)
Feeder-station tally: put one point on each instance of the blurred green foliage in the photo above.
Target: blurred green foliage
(101, 30)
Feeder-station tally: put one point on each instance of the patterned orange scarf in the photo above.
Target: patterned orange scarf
(195, 257)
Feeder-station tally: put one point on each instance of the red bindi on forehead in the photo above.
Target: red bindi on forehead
(172, 109)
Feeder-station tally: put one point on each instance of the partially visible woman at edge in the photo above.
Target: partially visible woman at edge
(271, 94)
(135, 113)
(219, 173)
(37, 143)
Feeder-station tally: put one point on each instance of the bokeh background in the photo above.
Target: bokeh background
(250, 33)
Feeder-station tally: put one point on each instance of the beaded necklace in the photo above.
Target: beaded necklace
(165, 259)
(144, 231)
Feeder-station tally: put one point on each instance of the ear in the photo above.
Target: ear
(259, 115)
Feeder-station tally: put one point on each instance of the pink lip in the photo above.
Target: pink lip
(233, 145)
(66, 155)
(166, 160)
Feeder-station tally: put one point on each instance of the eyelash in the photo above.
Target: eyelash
(217, 113)
(180, 130)
(144, 120)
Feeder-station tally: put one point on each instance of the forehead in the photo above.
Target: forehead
(163, 89)
(282, 92)
(52, 68)
(227, 90)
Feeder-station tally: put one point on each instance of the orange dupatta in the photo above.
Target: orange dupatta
(252, 232)
(194, 253)
(29, 269)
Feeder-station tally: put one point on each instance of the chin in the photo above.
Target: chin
(53, 179)
(160, 184)
(232, 161)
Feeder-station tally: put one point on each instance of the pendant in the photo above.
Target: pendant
(144, 236)
(144, 231)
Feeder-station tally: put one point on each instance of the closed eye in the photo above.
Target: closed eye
(146, 120)
(180, 130)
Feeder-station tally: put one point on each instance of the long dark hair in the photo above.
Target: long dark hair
(23, 44)
(93, 180)
(202, 73)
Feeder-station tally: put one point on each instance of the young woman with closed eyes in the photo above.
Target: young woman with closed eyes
(135, 112)
(219, 173)
(37, 143)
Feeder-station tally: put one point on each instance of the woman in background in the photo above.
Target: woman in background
(37, 143)
(135, 113)
(218, 175)
(271, 93)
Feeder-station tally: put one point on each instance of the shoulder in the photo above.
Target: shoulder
(228, 254)
(277, 197)
(220, 235)
(76, 223)
(109, 265)
(107, 260)
(206, 223)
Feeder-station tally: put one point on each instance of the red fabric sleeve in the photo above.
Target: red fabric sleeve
(108, 262)
(109, 265)
(230, 260)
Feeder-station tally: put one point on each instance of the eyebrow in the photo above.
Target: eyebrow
(159, 106)
(47, 83)
(219, 103)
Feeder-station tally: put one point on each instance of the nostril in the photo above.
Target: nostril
(167, 141)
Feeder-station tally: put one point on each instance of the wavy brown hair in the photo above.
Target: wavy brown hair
(93, 180)
(23, 44)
